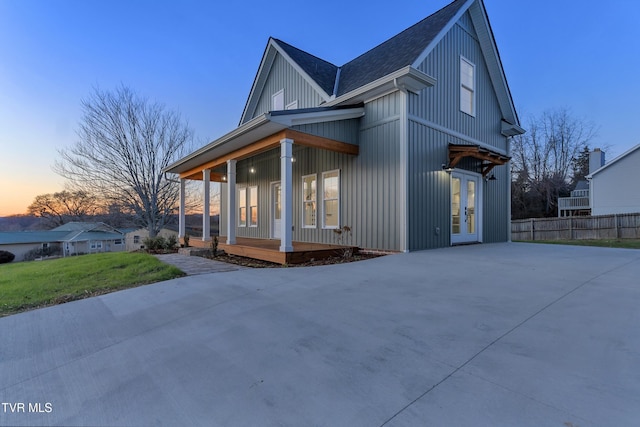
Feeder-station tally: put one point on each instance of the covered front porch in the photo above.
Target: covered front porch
(247, 230)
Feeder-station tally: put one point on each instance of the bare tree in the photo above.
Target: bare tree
(64, 206)
(125, 142)
(544, 160)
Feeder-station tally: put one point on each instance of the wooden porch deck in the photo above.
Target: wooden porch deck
(269, 250)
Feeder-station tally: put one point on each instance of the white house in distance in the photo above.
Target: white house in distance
(614, 187)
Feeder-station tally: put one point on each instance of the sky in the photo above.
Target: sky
(200, 58)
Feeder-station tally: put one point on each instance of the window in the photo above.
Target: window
(292, 106)
(242, 207)
(309, 201)
(136, 239)
(467, 87)
(117, 242)
(277, 100)
(330, 199)
(253, 206)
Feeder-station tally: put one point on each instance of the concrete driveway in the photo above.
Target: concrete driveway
(502, 334)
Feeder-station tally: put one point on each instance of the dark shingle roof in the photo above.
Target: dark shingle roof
(321, 71)
(392, 55)
(397, 52)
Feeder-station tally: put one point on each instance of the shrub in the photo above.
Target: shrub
(171, 242)
(6, 257)
(159, 243)
(154, 243)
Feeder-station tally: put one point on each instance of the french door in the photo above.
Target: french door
(465, 208)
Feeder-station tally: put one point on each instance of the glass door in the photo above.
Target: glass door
(464, 208)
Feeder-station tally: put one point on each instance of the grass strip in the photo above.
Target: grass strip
(28, 285)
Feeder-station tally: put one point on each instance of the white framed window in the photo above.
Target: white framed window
(467, 87)
(309, 201)
(253, 206)
(136, 239)
(277, 100)
(331, 199)
(242, 207)
(292, 105)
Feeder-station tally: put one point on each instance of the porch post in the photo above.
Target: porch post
(286, 183)
(181, 211)
(206, 211)
(231, 202)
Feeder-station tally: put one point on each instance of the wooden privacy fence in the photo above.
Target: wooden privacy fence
(621, 226)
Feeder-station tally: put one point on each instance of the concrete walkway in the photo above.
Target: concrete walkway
(197, 265)
(485, 335)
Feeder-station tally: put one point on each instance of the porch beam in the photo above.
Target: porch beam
(257, 147)
(314, 141)
(231, 202)
(197, 176)
(286, 189)
(269, 143)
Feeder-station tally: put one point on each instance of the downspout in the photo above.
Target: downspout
(404, 166)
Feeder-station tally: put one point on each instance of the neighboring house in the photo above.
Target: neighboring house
(407, 144)
(135, 237)
(579, 202)
(74, 238)
(614, 187)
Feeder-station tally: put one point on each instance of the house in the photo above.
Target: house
(74, 238)
(407, 144)
(135, 237)
(579, 201)
(614, 186)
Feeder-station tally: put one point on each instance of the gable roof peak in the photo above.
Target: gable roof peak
(321, 71)
(399, 51)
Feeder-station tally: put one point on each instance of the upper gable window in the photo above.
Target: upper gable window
(467, 87)
(277, 100)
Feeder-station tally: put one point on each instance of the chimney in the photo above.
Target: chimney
(596, 160)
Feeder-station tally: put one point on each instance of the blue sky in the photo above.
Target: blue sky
(200, 58)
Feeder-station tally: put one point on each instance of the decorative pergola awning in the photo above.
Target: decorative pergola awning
(489, 158)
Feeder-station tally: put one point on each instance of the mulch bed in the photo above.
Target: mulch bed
(256, 263)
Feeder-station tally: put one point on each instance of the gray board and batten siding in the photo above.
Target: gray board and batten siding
(283, 76)
(368, 181)
(435, 121)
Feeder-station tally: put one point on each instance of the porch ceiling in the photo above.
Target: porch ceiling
(269, 143)
(489, 158)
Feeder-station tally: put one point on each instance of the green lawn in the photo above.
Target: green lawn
(606, 243)
(28, 285)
